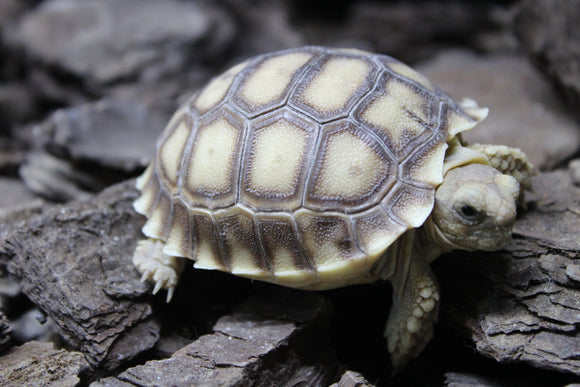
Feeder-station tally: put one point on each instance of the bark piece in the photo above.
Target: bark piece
(103, 41)
(10, 9)
(82, 149)
(74, 262)
(8, 289)
(111, 133)
(409, 30)
(14, 193)
(457, 379)
(521, 104)
(33, 325)
(265, 26)
(277, 337)
(55, 179)
(574, 167)
(12, 153)
(18, 103)
(5, 331)
(521, 305)
(352, 379)
(549, 31)
(40, 364)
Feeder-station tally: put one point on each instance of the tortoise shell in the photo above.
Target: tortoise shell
(301, 167)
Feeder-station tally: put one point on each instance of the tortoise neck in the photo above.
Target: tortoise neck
(432, 241)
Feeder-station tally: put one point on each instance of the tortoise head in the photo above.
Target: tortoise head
(475, 208)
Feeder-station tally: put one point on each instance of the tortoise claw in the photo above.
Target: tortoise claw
(146, 275)
(170, 294)
(156, 266)
(158, 286)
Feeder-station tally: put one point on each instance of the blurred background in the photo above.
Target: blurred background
(87, 86)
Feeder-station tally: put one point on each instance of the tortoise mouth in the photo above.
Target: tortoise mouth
(486, 239)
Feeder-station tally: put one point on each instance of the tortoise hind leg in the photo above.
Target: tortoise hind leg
(164, 270)
(414, 312)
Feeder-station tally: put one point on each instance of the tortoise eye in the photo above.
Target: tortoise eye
(468, 212)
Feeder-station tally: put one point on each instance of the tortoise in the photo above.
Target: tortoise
(317, 168)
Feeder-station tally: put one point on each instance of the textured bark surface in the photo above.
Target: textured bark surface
(74, 262)
(39, 364)
(275, 336)
(5, 331)
(523, 304)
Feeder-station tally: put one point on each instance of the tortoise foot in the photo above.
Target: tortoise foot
(153, 264)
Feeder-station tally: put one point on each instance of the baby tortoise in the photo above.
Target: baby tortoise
(317, 168)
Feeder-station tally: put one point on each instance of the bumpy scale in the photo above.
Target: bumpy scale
(317, 168)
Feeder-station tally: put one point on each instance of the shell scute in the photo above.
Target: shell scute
(410, 205)
(179, 236)
(401, 70)
(376, 230)
(207, 250)
(334, 85)
(327, 237)
(171, 151)
(400, 115)
(277, 149)
(239, 234)
(283, 247)
(215, 92)
(211, 168)
(423, 167)
(149, 186)
(159, 217)
(352, 171)
(455, 120)
(267, 84)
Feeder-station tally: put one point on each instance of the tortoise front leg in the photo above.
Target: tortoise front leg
(414, 312)
(509, 161)
(157, 266)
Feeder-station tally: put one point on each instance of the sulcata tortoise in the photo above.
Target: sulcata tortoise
(317, 168)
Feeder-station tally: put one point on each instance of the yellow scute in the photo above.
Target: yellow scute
(212, 160)
(217, 89)
(272, 77)
(171, 150)
(337, 81)
(392, 119)
(350, 169)
(406, 71)
(278, 151)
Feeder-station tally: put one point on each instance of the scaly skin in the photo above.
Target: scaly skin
(164, 270)
(413, 314)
